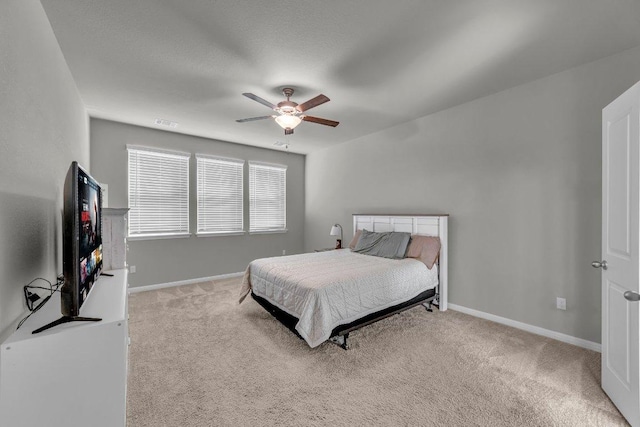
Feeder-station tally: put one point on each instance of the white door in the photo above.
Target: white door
(620, 253)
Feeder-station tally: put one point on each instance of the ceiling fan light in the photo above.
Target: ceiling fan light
(287, 121)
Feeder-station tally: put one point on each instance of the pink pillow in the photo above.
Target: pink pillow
(354, 241)
(425, 249)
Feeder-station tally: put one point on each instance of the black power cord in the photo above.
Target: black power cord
(31, 297)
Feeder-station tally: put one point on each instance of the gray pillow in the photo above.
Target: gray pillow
(391, 244)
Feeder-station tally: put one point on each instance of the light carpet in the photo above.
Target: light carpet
(197, 358)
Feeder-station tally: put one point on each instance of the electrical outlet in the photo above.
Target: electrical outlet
(132, 269)
(284, 252)
(561, 303)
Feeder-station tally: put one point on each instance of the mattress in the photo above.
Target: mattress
(328, 289)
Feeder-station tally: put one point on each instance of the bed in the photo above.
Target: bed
(326, 295)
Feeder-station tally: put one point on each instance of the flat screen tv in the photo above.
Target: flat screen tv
(81, 243)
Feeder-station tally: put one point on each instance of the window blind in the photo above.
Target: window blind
(267, 197)
(220, 195)
(158, 192)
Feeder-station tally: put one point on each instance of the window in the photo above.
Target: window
(158, 193)
(267, 197)
(220, 195)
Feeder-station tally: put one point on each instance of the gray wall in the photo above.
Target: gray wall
(44, 127)
(520, 174)
(169, 260)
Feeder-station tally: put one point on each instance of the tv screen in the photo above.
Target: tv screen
(90, 232)
(82, 240)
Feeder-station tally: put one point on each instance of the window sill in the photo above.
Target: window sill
(158, 237)
(269, 231)
(221, 233)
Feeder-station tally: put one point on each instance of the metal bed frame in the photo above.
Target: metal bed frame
(340, 334)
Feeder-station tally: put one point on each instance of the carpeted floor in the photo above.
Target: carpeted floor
(197, 358)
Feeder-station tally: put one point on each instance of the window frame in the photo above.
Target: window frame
(213, 158)
(183, 172)
(252, 207)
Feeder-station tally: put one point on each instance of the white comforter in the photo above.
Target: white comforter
(328, 289)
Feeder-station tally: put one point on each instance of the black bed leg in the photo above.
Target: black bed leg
(340, 340)
(344, 344)
(427, 306)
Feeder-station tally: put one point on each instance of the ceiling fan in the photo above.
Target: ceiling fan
(290, 114)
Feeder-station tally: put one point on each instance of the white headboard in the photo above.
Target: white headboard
(425, 225)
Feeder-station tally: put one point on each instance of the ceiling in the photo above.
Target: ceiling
(381, 62)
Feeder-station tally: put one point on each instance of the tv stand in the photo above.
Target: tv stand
(66, 319)
(73, 375)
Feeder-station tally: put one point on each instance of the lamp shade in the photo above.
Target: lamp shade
(288, 121)
(336, 230)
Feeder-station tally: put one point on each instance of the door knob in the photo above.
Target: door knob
(632, 296)
(599, 264)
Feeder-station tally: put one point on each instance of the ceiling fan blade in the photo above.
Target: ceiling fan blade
(313, 102)
(250, 119)
(320, 121)
(260, 100)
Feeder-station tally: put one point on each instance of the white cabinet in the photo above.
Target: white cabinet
(74, 374)
(114, 233)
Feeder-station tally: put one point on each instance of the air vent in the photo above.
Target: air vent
(166, 123)
(280, 144)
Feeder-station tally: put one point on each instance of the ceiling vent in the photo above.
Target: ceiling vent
(166, 123)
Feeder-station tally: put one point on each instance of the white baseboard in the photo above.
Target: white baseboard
(145, 288)
(590, 345)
